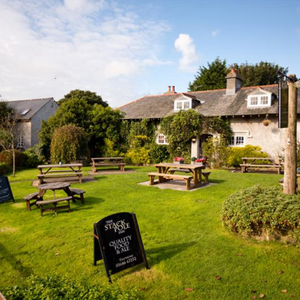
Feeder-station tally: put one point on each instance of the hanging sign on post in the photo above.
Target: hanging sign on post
(118, 242)
(5, 190)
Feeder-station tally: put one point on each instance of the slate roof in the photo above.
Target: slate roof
(216, 103)
(32, 105)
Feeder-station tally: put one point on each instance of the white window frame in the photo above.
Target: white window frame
(235, 140)
(180, 105)
(261, 101)
(161, 139)
(20, 144)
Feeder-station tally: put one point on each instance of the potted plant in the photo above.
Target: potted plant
(201, 160)
(193, 159)
(178, 160)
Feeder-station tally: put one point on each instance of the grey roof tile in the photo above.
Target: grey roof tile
(213, 103)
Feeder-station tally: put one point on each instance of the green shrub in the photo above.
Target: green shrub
(159, 153)
(217, 151)
(6, 157)
(33, 157)
(68, 143)
(263, 211)
(4, 168)
(236, 154)
(58, 287)
(139, 156)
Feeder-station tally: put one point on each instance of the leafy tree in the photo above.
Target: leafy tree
(4, 110)
(210, 78)
(68, 144)
(87, 111)
(262, 73)
(214, 76)
(90, 97)
(8, 135)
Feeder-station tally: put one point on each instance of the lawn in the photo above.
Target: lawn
(190, 254)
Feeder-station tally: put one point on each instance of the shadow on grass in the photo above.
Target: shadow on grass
(15, 263)
(217, 181)
(156, 255)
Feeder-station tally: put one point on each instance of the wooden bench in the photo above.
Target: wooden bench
(77, 192)
(30, 197)
(54, 202)
(205, 175)
(59, 174)
(167, 176)
(244, 167)
(107, 162)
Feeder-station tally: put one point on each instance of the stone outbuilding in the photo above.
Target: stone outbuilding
(29, 114)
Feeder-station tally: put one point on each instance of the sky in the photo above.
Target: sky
(125, 49)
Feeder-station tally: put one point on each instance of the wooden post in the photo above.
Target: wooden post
(290, 164)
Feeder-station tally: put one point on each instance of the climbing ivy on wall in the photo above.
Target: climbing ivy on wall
(181, 127)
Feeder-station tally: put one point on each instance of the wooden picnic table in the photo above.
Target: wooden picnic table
(195, 170)
(107, 162)
(59, 171)
(258, 162)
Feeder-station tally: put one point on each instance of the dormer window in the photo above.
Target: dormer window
(259, 98)
(182, 105)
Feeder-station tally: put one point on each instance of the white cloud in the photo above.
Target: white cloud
(84, 44)
(185, 44)
(215, 32)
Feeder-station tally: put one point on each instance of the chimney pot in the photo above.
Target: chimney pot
(173, 88)
(169, 88)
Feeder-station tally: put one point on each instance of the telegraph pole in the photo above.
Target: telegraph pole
(290, 163)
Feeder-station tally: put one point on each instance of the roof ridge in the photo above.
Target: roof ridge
(48, 98)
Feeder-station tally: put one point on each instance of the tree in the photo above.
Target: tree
(90, 97)
(68, 144)
(262, 73)
(8, 135)
(211, 77)
(214, 76)
(87, 111)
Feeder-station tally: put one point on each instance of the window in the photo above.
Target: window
(259, 100)
(24, 112)
(162, 140)
(182, 105)
(237, 140)
(264, 100)
(254, 101)
(20, 143)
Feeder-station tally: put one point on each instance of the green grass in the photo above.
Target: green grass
(185, 242)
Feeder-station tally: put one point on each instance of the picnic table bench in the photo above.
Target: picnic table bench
(59, 171)
(164, 177)
(258, 162)
(107, 162)
(54, 202)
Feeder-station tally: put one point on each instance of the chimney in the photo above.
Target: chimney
(234, 82)
(170, 91)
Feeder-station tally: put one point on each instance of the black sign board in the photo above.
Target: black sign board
(5, 190)
(283, 101)
(118, 241)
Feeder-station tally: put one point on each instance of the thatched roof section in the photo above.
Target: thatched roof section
(213, 103)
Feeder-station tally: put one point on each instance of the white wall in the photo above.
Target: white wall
(270, 138)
